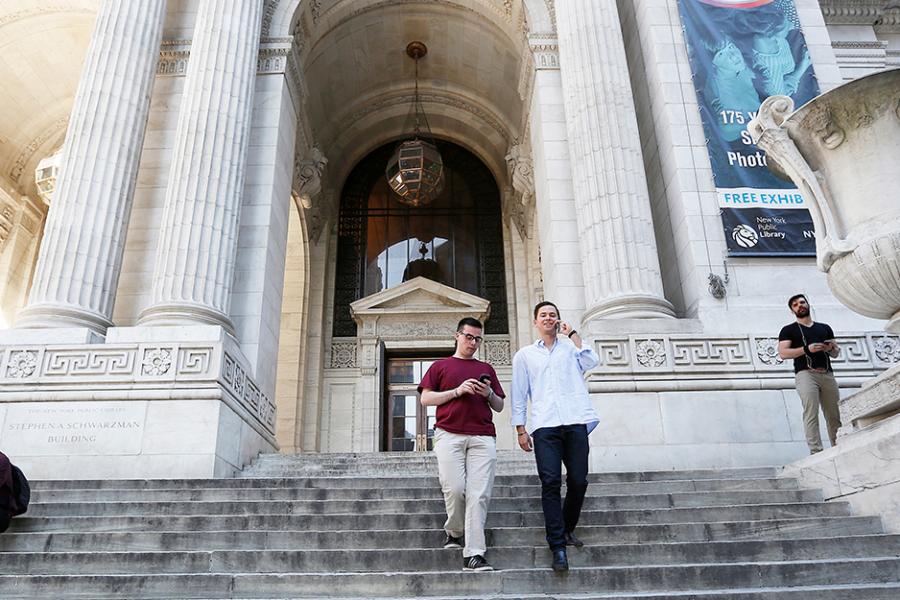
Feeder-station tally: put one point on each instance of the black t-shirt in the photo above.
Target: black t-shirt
(817, 333)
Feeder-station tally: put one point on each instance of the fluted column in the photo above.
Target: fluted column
(80, 257)
(198, 239)
(620, 261)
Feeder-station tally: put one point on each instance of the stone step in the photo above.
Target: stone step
(862, 591)
(290, 470)
(402, 521)
(437, 559)
(425, 505)
(592, 580)
(221, 494)
(429, 538)
(393, 480)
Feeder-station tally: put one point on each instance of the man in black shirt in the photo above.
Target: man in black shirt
(812, 347)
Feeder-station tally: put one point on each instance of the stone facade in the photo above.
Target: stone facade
(197, 296)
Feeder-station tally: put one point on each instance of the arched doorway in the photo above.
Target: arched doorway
(457, 240)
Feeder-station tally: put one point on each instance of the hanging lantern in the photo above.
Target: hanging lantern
(415, 171)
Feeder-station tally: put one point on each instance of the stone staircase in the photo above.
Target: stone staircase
(366, 526)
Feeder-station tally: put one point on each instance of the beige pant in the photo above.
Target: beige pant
(466, 470)
(817, 389)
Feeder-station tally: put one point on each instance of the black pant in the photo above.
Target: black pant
(553, 447)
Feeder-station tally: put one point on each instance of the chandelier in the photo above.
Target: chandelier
(415, 171)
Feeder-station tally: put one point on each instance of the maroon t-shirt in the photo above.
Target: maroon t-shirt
(470, 414)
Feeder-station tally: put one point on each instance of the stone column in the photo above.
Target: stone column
(620, 262)
(198, 238)
(78, 264)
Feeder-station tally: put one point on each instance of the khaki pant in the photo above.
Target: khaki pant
(466, 470)
(817, 389)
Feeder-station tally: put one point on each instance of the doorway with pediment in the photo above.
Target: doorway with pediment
(349, 241)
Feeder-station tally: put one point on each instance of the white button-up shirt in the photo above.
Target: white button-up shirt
(554, 380)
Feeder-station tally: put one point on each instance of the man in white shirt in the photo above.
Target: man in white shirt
(551, 373)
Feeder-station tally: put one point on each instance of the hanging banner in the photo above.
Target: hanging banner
(741, 52)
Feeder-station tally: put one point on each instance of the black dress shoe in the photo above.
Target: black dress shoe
(571, 540)
(560, 560)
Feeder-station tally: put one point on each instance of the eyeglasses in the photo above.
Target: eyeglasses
(471, 338)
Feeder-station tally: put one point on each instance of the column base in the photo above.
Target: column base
(149, 407)
(126, 438)
(631, 306)
(55, 316)
(183, 313)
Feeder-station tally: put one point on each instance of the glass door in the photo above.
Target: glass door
(410, 426)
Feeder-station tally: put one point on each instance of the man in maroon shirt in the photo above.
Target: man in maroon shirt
(465, 390)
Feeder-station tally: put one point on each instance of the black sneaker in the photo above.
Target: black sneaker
(476, 563)
(452, 542)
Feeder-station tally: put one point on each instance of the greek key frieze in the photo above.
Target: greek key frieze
(681, 353)
(613, 353)
(710, 352)
(853, 350)
(194, 361)
(83, 362)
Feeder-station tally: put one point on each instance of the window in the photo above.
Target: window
(456, 240)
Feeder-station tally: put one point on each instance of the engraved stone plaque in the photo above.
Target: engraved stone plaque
(74, 428)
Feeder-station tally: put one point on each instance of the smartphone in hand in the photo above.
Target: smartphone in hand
(485, 378)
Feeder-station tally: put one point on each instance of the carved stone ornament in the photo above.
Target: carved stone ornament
(887, 349)
(156, 362)
(343, 355)
(520, 203)
(308, 176)
(22, 364)
(767, 351)
(650, 353)
(841, 150)
(496, 352)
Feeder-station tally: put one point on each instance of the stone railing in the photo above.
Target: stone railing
(110, 371)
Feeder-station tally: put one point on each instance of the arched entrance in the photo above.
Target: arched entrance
(476, 243)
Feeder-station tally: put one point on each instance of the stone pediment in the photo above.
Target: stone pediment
(420, 297)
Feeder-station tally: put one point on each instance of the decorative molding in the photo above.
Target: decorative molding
(24, 157)
(887, 349)
(682, 357)
(135, 367)
(650, 353)
(496, 351)
(545, 51)
(276, 55)
(851, 12)
(42, 10)
(8, 214)
(767, 351)
(156, 362)
(343, 355)
(855, 45)
(406, 99)
(308, 173)
(21, 364)
(519, 202)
